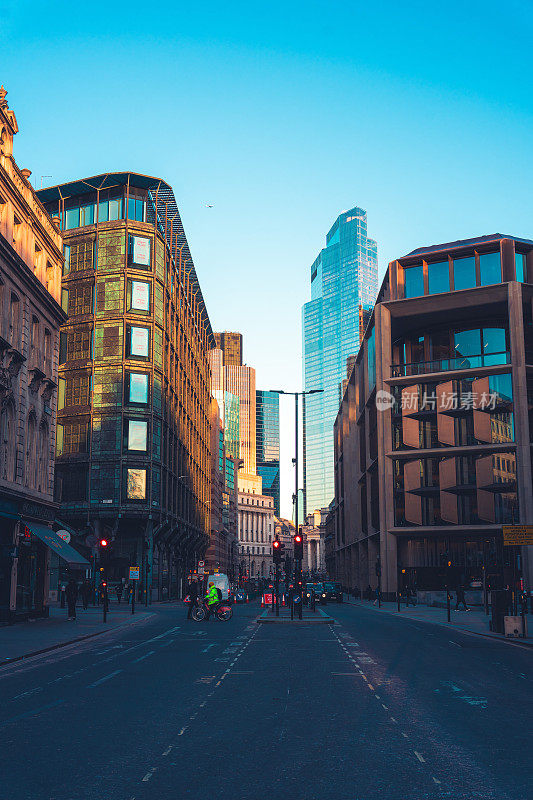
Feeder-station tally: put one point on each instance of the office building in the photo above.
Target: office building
(31, 257)
(230, 343)
(133, 444)
(433, 437)
(343, 289)
(267, 443)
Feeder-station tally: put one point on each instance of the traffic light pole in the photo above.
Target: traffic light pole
(276, 588)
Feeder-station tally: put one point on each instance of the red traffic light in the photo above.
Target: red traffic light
(275, 544)
(298, 538)
(103, 542)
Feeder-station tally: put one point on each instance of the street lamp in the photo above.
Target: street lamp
(296, 395)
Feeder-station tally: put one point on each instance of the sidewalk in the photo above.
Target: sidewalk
(473, 621)
(26, 639)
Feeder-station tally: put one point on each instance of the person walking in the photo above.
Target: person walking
(86, 592)
(118, 591)
(368, 592)
(71, 593)
(193, 597)
(409, 595)
(460, 598)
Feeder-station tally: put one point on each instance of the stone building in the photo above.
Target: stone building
(256, 531)
(314, 531)
(31, 258)
(433, 436)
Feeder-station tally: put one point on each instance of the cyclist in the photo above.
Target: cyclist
(211, 599)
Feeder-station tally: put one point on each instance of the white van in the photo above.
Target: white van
(221, 582)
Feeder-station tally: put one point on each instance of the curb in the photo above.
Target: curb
(6, 662)
(466, 631)
(324, 620)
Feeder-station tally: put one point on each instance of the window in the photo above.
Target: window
(14, 320)
(47, 348)
(135, 484)
(136, 209)
(493, 345)
(64, 300)
(139, 251)
(87, 214)
(464, 273)
(137, 387)
(72, 218)
(138, 342)
(115, 209)
(109, 208)
(438, 277)
(136, 434)
(371, 345)
(63, 338)
(414, 281)
(72, 483)
(138, 297)
(34, 339)
(79, 344)
(61, 385)
(521, 270)
(72, 438)
(490, 269)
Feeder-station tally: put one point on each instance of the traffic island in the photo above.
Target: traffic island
(308, 618)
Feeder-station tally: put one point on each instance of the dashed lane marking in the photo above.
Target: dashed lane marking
(419, 756)
(141, 658)
(105, 678)
(167, 751)
(435, 780)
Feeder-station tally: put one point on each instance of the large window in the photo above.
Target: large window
(520, 264)
(139, 251)
(138, 342)
(137, 209)
(438, 277)
(109, 209)
(414, 281)
(72, 218)
(66, 264)
(464, 273)
(135, 484)
(136, 434)
(490, 269)
(137, 388)
(138, 297)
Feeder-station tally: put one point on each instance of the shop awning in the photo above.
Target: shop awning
(55, 543)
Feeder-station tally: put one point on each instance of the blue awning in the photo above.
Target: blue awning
(56, 543)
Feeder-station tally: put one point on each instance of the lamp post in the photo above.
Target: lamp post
(296, 395)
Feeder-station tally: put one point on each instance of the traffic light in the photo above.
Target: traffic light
(298, 547)
(103, 543)
(276, 551)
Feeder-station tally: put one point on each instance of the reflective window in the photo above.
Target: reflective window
(467, 343)
(66, 254)
(493, 343)
(520, 264)
(61, 385)
(439, 277)
(502, 385)
(72, 218)
(115, 209)
(138, 342)
(372, 359)
(138, 388)
(139, 251)
(464, 273)
(490, 269)
(87, 214)
(64, 300)
(137, 434)
(136, 209)
(138, 296)
(135, 484)
(103, 211)
(414, 281)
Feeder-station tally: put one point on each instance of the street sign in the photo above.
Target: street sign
(517, 535)
(201, 570)
(135, 573)
(201, 563)
(65, 535)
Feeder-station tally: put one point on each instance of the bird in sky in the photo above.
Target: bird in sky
(208, 206)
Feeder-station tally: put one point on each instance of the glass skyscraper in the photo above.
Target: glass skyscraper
(267, 443)
(344, 283)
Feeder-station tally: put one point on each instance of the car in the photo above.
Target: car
(320, 596)
(333, 591)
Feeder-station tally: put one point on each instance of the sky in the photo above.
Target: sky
(281, 115)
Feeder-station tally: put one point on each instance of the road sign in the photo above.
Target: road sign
(135, 573)
(65, 535)
(517, 535)
(201, 563)
(201, 570)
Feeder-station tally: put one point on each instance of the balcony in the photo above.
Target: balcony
(450, 364)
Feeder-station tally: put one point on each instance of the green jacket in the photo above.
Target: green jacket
(212, 596)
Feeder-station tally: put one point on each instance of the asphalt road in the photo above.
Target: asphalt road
(374, 707)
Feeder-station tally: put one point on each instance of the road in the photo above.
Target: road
(372, 707)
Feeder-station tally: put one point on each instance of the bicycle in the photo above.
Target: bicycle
(222, 612)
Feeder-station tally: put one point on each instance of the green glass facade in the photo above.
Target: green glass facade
(267, 444)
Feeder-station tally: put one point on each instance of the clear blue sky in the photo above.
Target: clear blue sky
(282, 115)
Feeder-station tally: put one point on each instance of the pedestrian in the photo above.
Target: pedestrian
(127, 593)
(193, 597)
(368, 592)
(460, 598)
(86, 592)
(71, 593)
(409, 595)
(118, 591)
(376, 601)
(62, 591)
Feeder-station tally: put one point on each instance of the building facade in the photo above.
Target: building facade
(222, 553)
(230, 344)
(267, 443)
(433, 437)
(256, 531)
(31, 258)
(343, 289)
(133, 444)
(314, 535)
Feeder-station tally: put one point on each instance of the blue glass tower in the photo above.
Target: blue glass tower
(267, 443)
(344, 284)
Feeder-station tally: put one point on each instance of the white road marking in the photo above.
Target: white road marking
(167, 751)
(385, 707)
(208, 646)
(435, 780)
(420, 757)
(455, 643)
(147, 776)
(106, 678)
(405, 736)
(141, 658)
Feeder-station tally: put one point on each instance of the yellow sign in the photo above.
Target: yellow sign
(517, 535)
